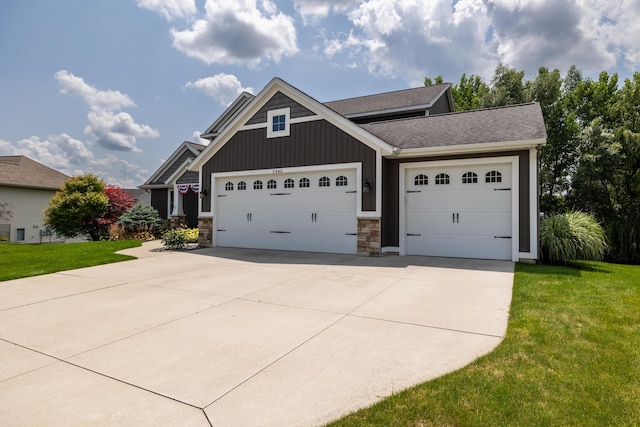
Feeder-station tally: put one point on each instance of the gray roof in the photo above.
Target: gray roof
(514, 123)
(21, 171)
(417, 97)
(136, 193)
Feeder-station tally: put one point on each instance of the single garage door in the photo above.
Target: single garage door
(312, 211)
(459, 211)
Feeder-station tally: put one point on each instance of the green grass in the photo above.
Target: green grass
(18, 260)
(571, 357)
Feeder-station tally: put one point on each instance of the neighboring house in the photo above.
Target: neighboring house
(394, 172)
(27, 186)
(140, 196)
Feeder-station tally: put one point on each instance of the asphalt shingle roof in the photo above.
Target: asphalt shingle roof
(420, 96)
(21, 171)
(504, 124)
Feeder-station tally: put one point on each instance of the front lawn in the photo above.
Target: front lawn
(18, 260)
(571, 357)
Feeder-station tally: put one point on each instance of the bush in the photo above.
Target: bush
(570, 237)
(141, 218)
(179, 238)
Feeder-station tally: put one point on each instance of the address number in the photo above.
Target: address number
(276, 171)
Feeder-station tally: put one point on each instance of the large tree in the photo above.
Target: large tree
(74, 210)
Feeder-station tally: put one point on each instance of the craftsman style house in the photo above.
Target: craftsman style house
(393, 172)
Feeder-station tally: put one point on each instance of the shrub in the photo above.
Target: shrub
(141, 218)
(117, 232)
(570, 237)
(178, 238)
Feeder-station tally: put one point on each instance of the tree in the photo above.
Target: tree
(73, 210)
(429, 82)
(507, 87)
(119, 203)
(470, 93)
(141, 218)
(5, 211)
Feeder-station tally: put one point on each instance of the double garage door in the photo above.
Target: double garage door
(306, 211)
(459, 211)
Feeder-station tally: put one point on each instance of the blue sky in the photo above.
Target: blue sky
(113, 87)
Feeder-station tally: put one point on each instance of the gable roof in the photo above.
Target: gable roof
(420, 98)
(183, 155)
(228, 115)
(510, 125)
(273, 87)
(21, 171)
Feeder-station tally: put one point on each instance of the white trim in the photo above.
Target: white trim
(286, 112)
(515, 194)
(534, 207)
(392, 249)
(170, 161)
(469, 148)
(293, 121)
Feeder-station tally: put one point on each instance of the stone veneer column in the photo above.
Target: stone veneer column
(369, 236)
(178, 221)
(205, 231)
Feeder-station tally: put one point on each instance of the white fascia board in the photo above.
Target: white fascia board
(484, 147)
(232, 111)
(278, 85)
(167, 163)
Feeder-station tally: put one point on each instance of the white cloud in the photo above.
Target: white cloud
(238, 32)
(313, 11)
(170, 9)
(72, 157)
(99, 100)
(196, 138)
(113, 131)
(413, 39)
(225, 88)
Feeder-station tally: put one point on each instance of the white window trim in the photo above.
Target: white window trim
(286, 112)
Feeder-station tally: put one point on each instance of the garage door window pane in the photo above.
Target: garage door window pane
(421, 180)
(257, 185)
(228, 186)
(469, 178)
(271, 184)
(324, 182)
(242, 185)
(493, 176)
(289, 183)
(304, 183)
(442, 178)
(342, 181)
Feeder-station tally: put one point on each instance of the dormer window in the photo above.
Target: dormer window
(278, 122)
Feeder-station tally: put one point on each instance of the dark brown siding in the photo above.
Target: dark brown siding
(391, 200)
(441, 106)
(280, 101)
(190, 207)
(159, 199)
(310, 143)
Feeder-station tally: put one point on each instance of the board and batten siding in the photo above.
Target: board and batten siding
(159, 198)
(390, 203)
(277, 101)
(310, 143)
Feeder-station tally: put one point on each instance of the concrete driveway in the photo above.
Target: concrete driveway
(230, 337)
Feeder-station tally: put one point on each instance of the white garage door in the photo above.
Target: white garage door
(459, 211)
(313, 211)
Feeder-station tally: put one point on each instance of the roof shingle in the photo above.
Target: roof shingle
(21, 171)
(514, 123)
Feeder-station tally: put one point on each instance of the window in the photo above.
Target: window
(278, 122)
(228, 186)
(421, 180)
(442, 178)
(493, 176)
(289, 183)
(304, 183)
(19, 234)
(257, 185)
(324, 182)
(242, 185)
(342, 181)
(469, 178)
(271, 184)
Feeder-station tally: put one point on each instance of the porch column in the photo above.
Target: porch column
(178, 218)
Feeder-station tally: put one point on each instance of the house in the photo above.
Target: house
(174, 189)
(397, 172)
(140, 196)
(26, 187)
